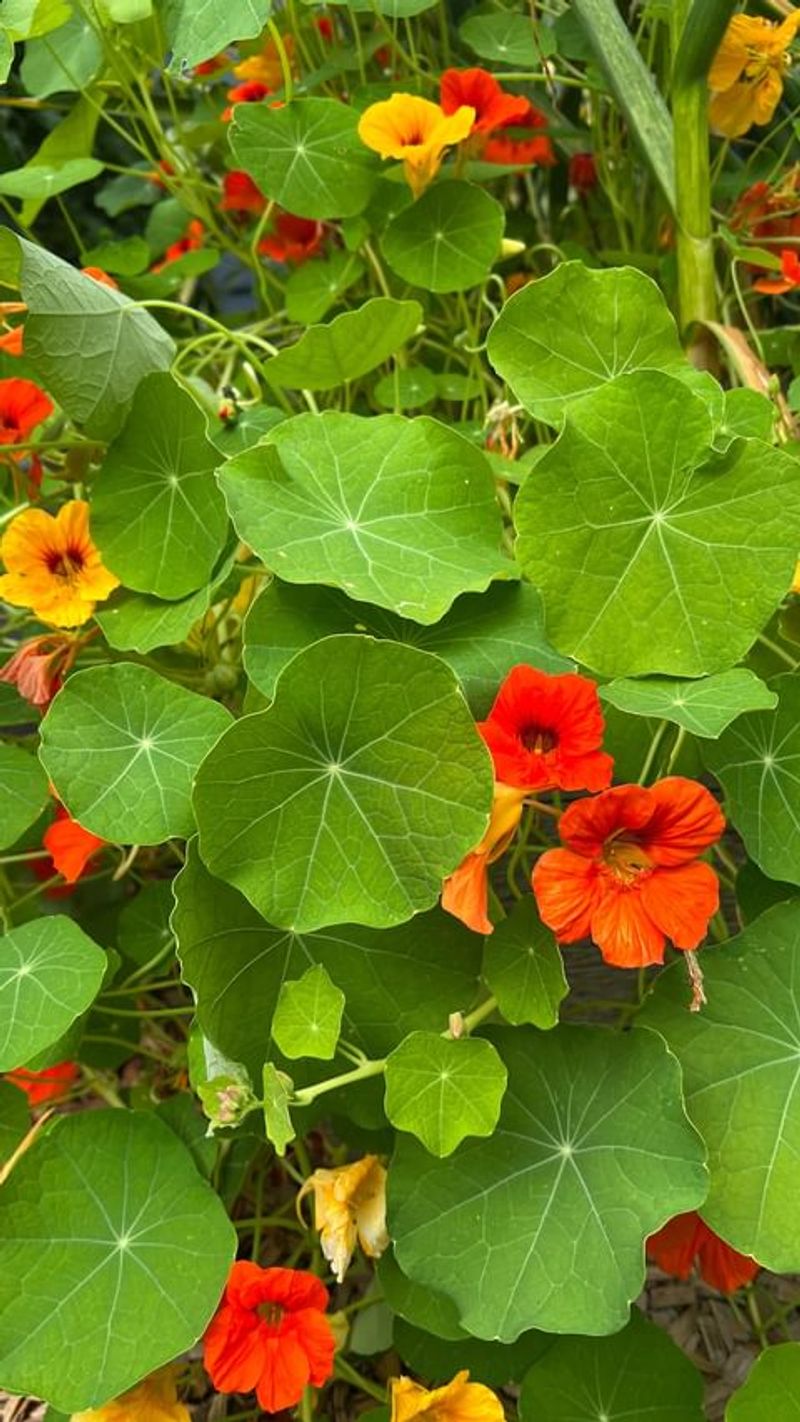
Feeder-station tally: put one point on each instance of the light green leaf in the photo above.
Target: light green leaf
(64, 61)
(482, 636)
(772, 1389)
(23, 788)
(574, 330)
(15, 1118)
(125, 12)
(522, 967)
(134, 622)
(508, 39)
(639, 1372)
(347, 347)
(43, 182)
(526, 1230)
(448, 240)
(320, 502)
(442, 1090)
(50, 972)
(749, 415)
(130, 256)
(316, 286)
(308, 1015)
(277, 1095)
(306, 156)
(394, 980)
(705, 706)
(199, 29)
(392, 9)
(741, 1070)
(406, 388)
(72, 138)
(652, 555)
(158, 516)
(351, 798)
(122, 745)
(108, 1236)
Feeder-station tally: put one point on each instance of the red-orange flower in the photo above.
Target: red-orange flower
(521, 150)
(545, 732)
(292, 239)
(45, 1085)
(38, 667)
(789, 277)
(687, 1241)
(192, 239)
(70, 846)
(582, 173)
(97, 274)
(211, 67)
(241, 195)
(270, 1335)
(250, 92)
(465, 892)
(629, 877)
(12, 340)
(23, 406)
(494, 108)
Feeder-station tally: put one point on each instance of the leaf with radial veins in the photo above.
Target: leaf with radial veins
(740, 1059)
(347, 347)
(24, 792)
(158, 517)
(108, 1236)
(442, 1090)
(705, 706)
(651, 555)
(308, 1015)
(199, 29)
(306, 156)
(122, 745)
(523, 968)
(772, 1388)
(50, 972)
(543, 1225)
(397, 512)
(447, 241)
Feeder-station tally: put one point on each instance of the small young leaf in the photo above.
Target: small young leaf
(277, 1095)
(705, 706)
(442, 1090)
(316, 286)
(50, 972)
(308, 1016)
(523, 968)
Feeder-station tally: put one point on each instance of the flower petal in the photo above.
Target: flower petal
(685, 820)
(681, 901)
(566, 887)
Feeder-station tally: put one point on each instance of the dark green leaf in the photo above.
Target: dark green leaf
(50, 972)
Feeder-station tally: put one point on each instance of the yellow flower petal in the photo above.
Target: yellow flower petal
(155, 1399)
(349, 1206)
(53, 567)
(415, 131)
(459, 1401)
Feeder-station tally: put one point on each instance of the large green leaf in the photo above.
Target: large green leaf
(705, 706)
(90, 345)
(347, 347)
(755, 763)
(307, 156)
(199, 29)
(652, 555)
(439, 1359)
(143, 929)
(639, 1372)
(543, 1225)
(565, 335)
(482, 636)
(421, 1306)
(158, 516)
(523, 968)
(23, 787)
(15, 1118)
(354, 795)
(109, 1238)
(50, 972)
(741, 1070)
(396, 512)
(772, 1389)
(122, 745)
(395, 980)
(441, 1089)
(448, 241)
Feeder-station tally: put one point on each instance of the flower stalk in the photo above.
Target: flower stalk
(697, 295)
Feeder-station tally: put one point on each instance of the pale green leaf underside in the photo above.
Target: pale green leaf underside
(443, 1090)
(772, 1389)
(50, 972)
(448, 240)
(199, 29)
(306, 156)
(308, 1015)
(523, 968)
(23, 792)
(347, 347)
(705, 706)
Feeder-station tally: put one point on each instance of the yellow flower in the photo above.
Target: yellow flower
(416, 131)
(155, 1399)
(349, 1205)
(265, 67)
(53, 567)
(746, 76)
(459, 1401)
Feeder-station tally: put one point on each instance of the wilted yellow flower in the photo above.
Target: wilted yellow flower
(415, 130)
(465, 892)
(746, 76)
(349, 1205)
(458, 1401)
(154, 1399)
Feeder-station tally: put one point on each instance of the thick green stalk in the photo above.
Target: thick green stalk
(697, 296)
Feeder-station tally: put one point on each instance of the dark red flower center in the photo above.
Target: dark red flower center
(271, 1312)
(65, 563)
(538, 739)
(9, 422)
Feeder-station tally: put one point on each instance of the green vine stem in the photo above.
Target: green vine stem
(697, 295)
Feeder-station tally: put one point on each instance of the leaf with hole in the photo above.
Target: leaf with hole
(442, 1090)
(308, 1015)
(306, 156)
(448, 240)
(50, 972)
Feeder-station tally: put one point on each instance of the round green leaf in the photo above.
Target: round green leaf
(306, 156)
(407, 388)
(442, 1090)
(347, 347)
(50, 972)
(508, 39)
(754, 761)
(772, 1389)
(651, 555)
(543, 1226)
(572, 331)
(23, 787)
(354, 795)
(705, 706)
(741, 1070)
(394, 980)
(308, 1015)
(448, 240)
(110, 1237)
(639, 1372)
(321, 503)
(158, 516)
(313, 288)
(122, 745)
(523, 968)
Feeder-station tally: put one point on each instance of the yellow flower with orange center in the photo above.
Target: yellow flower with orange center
(415, 131)
(465, 893)
(265, 67)
(155, 1399)
(53, 567)
(458, 1401)
(746, 77)
(349, 1206)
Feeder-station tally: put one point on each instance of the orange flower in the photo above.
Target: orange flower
(416, 131)
(45, 1085)
(630, 876)
(270, 1335)
(292, 239)
(155, 1399)
(349, 1206)
(250, 93)
(70, 846)
(746, 77)
(23, 406)
(545, 732)
(687, 1241)
(458, 1401)
(97, 274)
(789, 277)
(465, 892)
(240, 194)
(12, 340)
(38, 667)
(522, 151)
(53, 567)
(191, 241)
(477, 89)
(265, 67)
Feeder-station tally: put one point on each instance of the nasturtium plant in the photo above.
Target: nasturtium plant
(24, 791)
(308, 1015)
(51, 972)
(305, 155)
(444, 1090)
(347, 347)
(771, 1388)
(448, 241)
